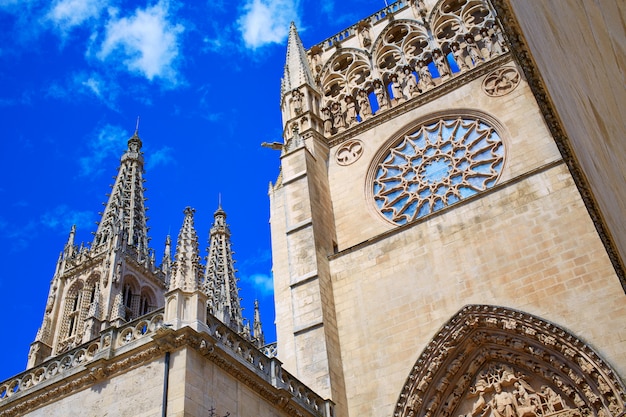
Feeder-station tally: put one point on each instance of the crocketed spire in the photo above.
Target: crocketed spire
(220, 283)
(297, 70)
(125, 212)
(186, 267)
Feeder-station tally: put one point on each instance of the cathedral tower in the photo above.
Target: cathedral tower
(432, 254)
(112, 281)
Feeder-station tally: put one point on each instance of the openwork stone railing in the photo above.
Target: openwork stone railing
(269, 368)
(217, 342)
(78, 358)
(352, 30)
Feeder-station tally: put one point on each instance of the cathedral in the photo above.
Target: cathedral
(443, 244)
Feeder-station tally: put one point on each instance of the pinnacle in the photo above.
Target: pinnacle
(185, 271)
(297, 69)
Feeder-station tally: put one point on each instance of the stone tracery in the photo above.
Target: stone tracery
(454, 37)
(491, 361)
(436, 165)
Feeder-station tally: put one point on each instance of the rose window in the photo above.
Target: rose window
(435, 166)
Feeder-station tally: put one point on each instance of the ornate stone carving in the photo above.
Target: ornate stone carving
(495, 369)
(349, 152)
(501, 81)
(443, 161)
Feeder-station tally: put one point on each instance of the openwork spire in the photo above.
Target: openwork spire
(125, 212)
(297, 69)
(186, 267)
(220, 283)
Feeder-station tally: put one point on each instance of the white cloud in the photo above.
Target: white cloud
(146, 43)
(161, 157)
(267, 21)
(62, 218)
(262, 283)
(86, 83)
(108, 141)
(67, 14)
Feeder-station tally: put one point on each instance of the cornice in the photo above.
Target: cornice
(522, 54)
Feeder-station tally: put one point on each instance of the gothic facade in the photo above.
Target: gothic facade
(435, 253)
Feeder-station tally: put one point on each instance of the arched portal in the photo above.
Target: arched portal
(492, 361)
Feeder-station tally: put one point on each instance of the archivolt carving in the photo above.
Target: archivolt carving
(491, 361)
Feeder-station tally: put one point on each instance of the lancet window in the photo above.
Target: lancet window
(72, 319)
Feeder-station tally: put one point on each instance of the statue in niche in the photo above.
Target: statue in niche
(472, 50)
(296, 102)
(489, 46)
(499, 40)
(350, 111)
(459, 57)
(315, 57)
(365, 110)
(410, 85)
(396, 90)
(379, 91)
(426, 80)
(364, 33)
(337, 115)
(419, 8)
(441, 64)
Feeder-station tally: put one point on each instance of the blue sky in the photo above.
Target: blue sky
(203, 76)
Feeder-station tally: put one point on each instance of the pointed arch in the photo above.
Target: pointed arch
(490, 360)
(401, 43)
(453, 20)
(147, 301)
(345, 72)
(72, 318)
(130, 296)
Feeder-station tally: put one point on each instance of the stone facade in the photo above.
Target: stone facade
(442, 193)
(437, 250)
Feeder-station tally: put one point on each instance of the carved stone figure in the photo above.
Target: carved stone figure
(488, 50)
(296, 102)
(426, 80)
(410, 85)
(396, 90)
(328, 121)
(381, 97)
(364, 34)
(441, 64)
(365, 110)
(503, 403)
(419, 8)
(337, 113)
(472, 50)
(350, 111)
(459, 57)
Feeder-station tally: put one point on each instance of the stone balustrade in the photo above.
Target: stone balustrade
(77, 359)
(133, 335)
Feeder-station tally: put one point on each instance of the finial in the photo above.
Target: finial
(137, 127)
(219, 200)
